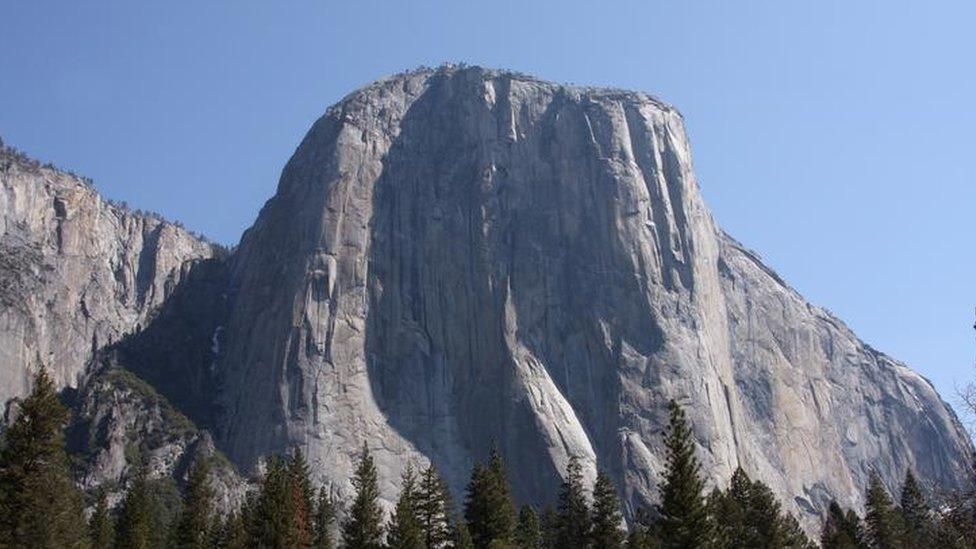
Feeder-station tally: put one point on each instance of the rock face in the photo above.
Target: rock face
(122, 422)
(457, 257)
(76, 273)
(460, 256)
(83, 282)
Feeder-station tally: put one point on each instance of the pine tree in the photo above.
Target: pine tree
(147, 516)
(793, 535)
(363, 529)
(954, 529)
(461, 536)
(40, 506)
(727, 519)
(684, 518)
(167, 504)
(476, 506)
(434, 509)
(841, 530)
(101, 530)
(644, 534)
(528, 534)
(747, 515)
(573, 509)
(489, 509)
(735, 524)
(915, 514)
(882, 525)
(501, 507)
(270, 519)
(233, 532)
(405, 531)
(549, 522)
(606, 530)
(767, 525)
(137, 525)
(193, 528)
(302, 498)
(324, 516)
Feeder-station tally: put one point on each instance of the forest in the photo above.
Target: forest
(41, 506)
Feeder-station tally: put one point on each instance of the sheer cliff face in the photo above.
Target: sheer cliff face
(76, 273)
(457, 257)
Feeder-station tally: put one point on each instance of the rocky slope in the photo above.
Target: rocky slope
(122, 423)
(83, 284)
(458, 256)
(76, 272)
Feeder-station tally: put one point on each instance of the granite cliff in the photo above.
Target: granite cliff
(83, 284)
(77, 273)
(460, 256)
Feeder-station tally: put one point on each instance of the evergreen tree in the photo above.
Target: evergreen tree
(138, 526)
(215, 531)
(793, 535)
(193, 528)
(405, 531)
(644, 533)
(302, 500)
(363, 529)
(728, 518)
(841, 530)
(40, 506)
(606, 532)
(270, 518)
(684, 519)
(735, 523)
(166, 503)
(476, 506)
(549, 521)
(915, 514)
(954, 529)
(324, 516)
(767, 525)
(882, 524)
(101, 530)
(489, 509)
(434, 509)
(528, 534)
(747, 515)
(461, 536)
(233, 532)
(502, 517)
(573, 510)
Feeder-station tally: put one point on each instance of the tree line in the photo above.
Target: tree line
(42, 507)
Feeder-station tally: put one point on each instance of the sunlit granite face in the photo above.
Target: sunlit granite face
(76, 272)
(462, 256)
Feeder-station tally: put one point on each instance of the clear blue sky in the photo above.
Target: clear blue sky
(836, 138)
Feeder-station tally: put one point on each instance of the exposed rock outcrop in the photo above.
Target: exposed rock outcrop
(122, 423)
(76, 272)
(457, 256)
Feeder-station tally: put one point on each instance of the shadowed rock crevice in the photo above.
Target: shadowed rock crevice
(178, 351)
